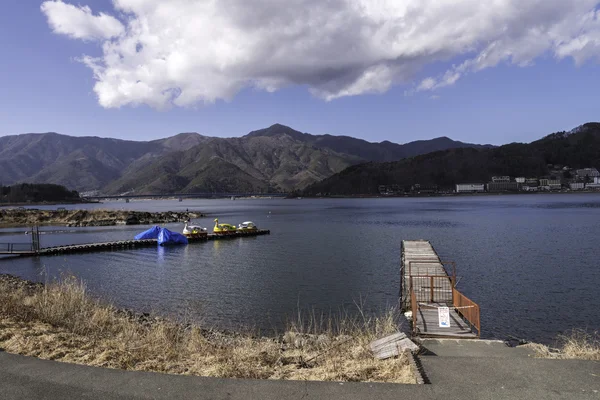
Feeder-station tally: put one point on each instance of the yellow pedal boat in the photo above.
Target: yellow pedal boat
(223, 228)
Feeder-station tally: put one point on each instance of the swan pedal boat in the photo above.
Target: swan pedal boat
(223, 228)
(194, 231)
(247, 226)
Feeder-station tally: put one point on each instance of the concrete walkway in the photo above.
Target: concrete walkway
(491, 368)
(452, 378)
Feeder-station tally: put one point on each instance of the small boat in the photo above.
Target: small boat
(194, 231)
(247, 226)
(223, 228)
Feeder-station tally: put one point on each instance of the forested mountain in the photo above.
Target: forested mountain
(24, 193)
(81, 163)
(277, 158)
(579, 148)
(383, 151)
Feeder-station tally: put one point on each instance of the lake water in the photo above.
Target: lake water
(530, 261)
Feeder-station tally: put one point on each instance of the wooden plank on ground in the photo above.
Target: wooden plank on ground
(392, 346)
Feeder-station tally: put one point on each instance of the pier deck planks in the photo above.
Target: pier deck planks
(427, 324)
(420, 261)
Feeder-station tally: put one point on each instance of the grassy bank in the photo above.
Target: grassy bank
(575, 345)
(61, 322)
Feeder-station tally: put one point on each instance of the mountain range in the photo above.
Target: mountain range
(277, 158)
(578, 148)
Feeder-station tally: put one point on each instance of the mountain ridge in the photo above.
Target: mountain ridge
(579, 148)
(277, 158)
(383, 151)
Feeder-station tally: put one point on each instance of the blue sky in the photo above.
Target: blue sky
(44, 88)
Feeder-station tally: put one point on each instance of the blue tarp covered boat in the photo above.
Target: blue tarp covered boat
(151, 233)
(166, 237)
(162, 235)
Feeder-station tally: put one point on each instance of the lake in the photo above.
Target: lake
(530, 261)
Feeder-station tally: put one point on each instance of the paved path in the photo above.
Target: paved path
(452, 378)
(494, 369)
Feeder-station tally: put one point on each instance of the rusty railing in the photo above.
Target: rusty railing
(432, 288)
(415, 309)
(451, 265)
(468, 309)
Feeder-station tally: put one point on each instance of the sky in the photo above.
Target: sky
(400, 70)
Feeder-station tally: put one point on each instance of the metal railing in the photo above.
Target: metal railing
(468, 309)
(12, 248)
(435, 285)
(450, 270)
(432, 288)
(415, 309)
(440, 289)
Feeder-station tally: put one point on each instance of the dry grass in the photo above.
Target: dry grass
(61, 322)
(576, 345)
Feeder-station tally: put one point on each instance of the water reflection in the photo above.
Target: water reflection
(518, 256)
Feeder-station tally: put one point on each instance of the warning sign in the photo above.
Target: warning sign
(444, 316)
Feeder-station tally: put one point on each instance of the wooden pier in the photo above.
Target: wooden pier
(28, 249)
(426, 285)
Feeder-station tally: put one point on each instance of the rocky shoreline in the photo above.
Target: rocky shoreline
(15, 283)
(20, 217)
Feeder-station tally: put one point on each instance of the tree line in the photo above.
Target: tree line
(36, 193)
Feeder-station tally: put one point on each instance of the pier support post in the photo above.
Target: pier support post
(35, 239)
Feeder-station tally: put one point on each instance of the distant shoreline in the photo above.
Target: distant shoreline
(49, 203)
(379, 196)
(11, 218)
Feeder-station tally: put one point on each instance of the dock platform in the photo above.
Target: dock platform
(26, 249)
(426, 285)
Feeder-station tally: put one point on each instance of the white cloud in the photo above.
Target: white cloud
(566, 30)
(79, 22)
(427, 84)
(183, 52)
(583, 46)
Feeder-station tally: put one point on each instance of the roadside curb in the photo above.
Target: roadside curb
(417, 368)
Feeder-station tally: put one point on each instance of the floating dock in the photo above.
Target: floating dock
(428, 290)
(26, 249)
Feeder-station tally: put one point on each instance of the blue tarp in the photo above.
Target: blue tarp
(166, 237)
(151, 233)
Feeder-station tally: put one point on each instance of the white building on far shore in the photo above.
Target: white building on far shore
(594, 185)
(527, 188)
(591, 172)
(470, 187)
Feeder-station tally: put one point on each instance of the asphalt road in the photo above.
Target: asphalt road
(451, 378)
